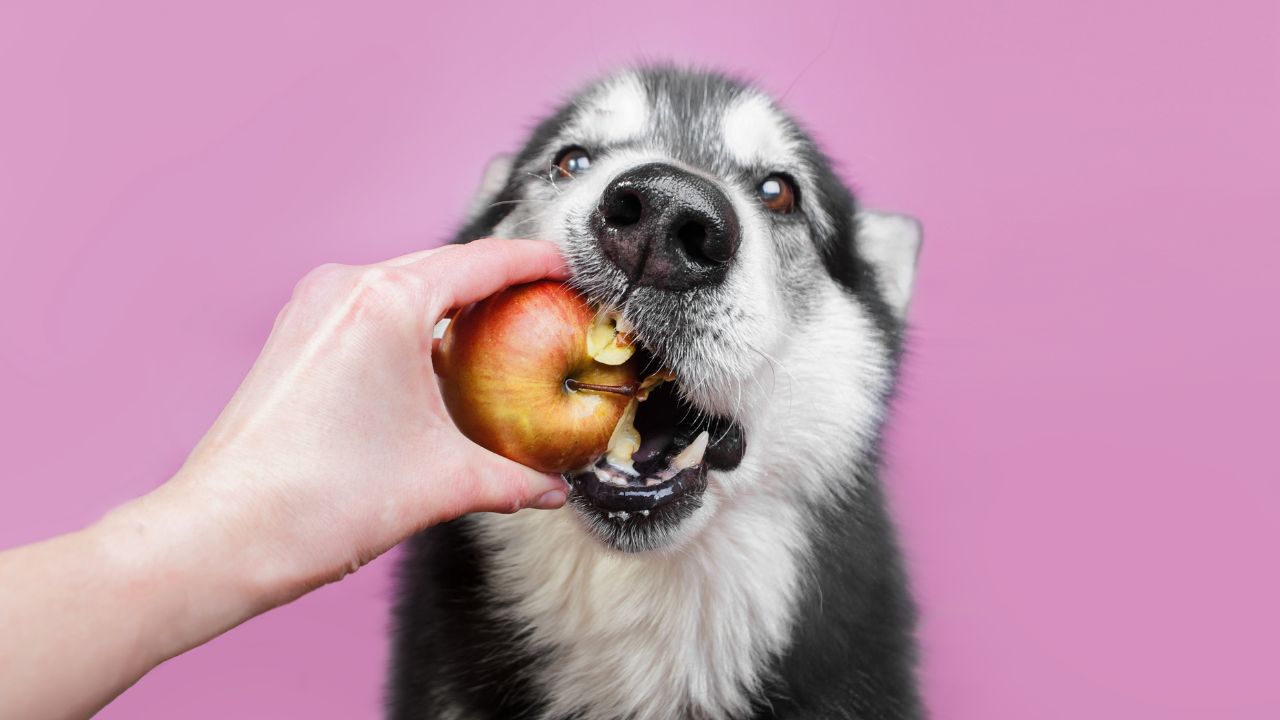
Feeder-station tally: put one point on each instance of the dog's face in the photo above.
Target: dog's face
(698, 209)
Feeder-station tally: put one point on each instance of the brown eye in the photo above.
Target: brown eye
(572, 161)
(778, 193)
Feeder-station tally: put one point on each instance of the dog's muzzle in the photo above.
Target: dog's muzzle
(666, 228)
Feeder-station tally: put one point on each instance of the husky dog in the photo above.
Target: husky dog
(748, 568)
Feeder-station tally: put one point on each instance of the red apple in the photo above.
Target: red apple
(522, 375)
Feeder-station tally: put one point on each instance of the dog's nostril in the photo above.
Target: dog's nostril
(692, 235)
(624, 209)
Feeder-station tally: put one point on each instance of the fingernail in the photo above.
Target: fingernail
(550, 500)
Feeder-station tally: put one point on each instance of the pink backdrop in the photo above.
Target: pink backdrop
(1083, 458)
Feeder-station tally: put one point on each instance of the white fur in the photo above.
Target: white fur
(644, 636)
(892, 244)
(617, 112)
(754, 131)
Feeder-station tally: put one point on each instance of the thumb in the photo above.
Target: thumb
(501, 485)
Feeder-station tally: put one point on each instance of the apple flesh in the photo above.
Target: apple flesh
(536, 375)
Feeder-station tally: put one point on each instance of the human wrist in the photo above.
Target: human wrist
(187, 558)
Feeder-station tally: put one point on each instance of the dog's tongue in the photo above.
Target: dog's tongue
(651, 447)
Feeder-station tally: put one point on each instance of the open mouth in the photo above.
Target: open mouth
(659, 455)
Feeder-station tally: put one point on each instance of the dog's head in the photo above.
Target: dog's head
(697, 208)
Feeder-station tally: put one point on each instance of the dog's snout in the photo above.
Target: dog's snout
(666, 227)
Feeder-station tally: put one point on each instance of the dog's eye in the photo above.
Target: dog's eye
(572, 161)
(778, 193)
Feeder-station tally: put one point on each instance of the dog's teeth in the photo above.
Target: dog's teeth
(624, 441)
(610, 478)
(691, 455)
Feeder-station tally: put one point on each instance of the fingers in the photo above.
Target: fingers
(501, 485)
(462, 274)
(413, 257)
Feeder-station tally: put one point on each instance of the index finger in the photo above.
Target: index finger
(462, 274)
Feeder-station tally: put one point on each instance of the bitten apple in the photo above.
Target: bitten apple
(537, 375)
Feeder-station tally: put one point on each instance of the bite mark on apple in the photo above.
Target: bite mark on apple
(610, 339)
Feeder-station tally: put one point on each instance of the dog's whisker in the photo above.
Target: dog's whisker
(498, 203)
(553, 170)
(546, 180)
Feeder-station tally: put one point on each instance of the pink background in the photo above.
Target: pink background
(1083, 458)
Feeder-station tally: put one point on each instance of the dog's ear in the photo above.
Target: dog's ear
(495, 177)
(891, 243)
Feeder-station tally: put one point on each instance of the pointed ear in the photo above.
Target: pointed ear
(891, 243)
(492, 183)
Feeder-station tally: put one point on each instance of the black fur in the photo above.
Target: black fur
(852, 652)
(447, 632)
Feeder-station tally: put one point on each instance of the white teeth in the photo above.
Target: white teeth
(625, 441)
(692, 455)
(609, 478)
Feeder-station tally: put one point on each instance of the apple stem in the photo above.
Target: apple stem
(628, 390)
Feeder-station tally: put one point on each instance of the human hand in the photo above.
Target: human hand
(338, 445)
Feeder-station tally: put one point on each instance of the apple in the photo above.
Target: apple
(537, 375)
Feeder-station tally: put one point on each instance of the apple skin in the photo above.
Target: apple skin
(503, 363)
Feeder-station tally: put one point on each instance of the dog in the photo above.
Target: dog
(757, 576)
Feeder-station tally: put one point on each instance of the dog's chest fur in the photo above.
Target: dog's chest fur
(658, 635)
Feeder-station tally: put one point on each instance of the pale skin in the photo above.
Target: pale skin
(336, 447)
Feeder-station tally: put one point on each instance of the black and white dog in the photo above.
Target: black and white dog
(763, 580)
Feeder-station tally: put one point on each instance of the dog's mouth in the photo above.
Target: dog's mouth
(659, 454)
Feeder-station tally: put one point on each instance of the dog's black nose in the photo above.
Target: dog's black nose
(666, 228)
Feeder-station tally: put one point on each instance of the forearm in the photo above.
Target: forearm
(85, 615)
(336, 447)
